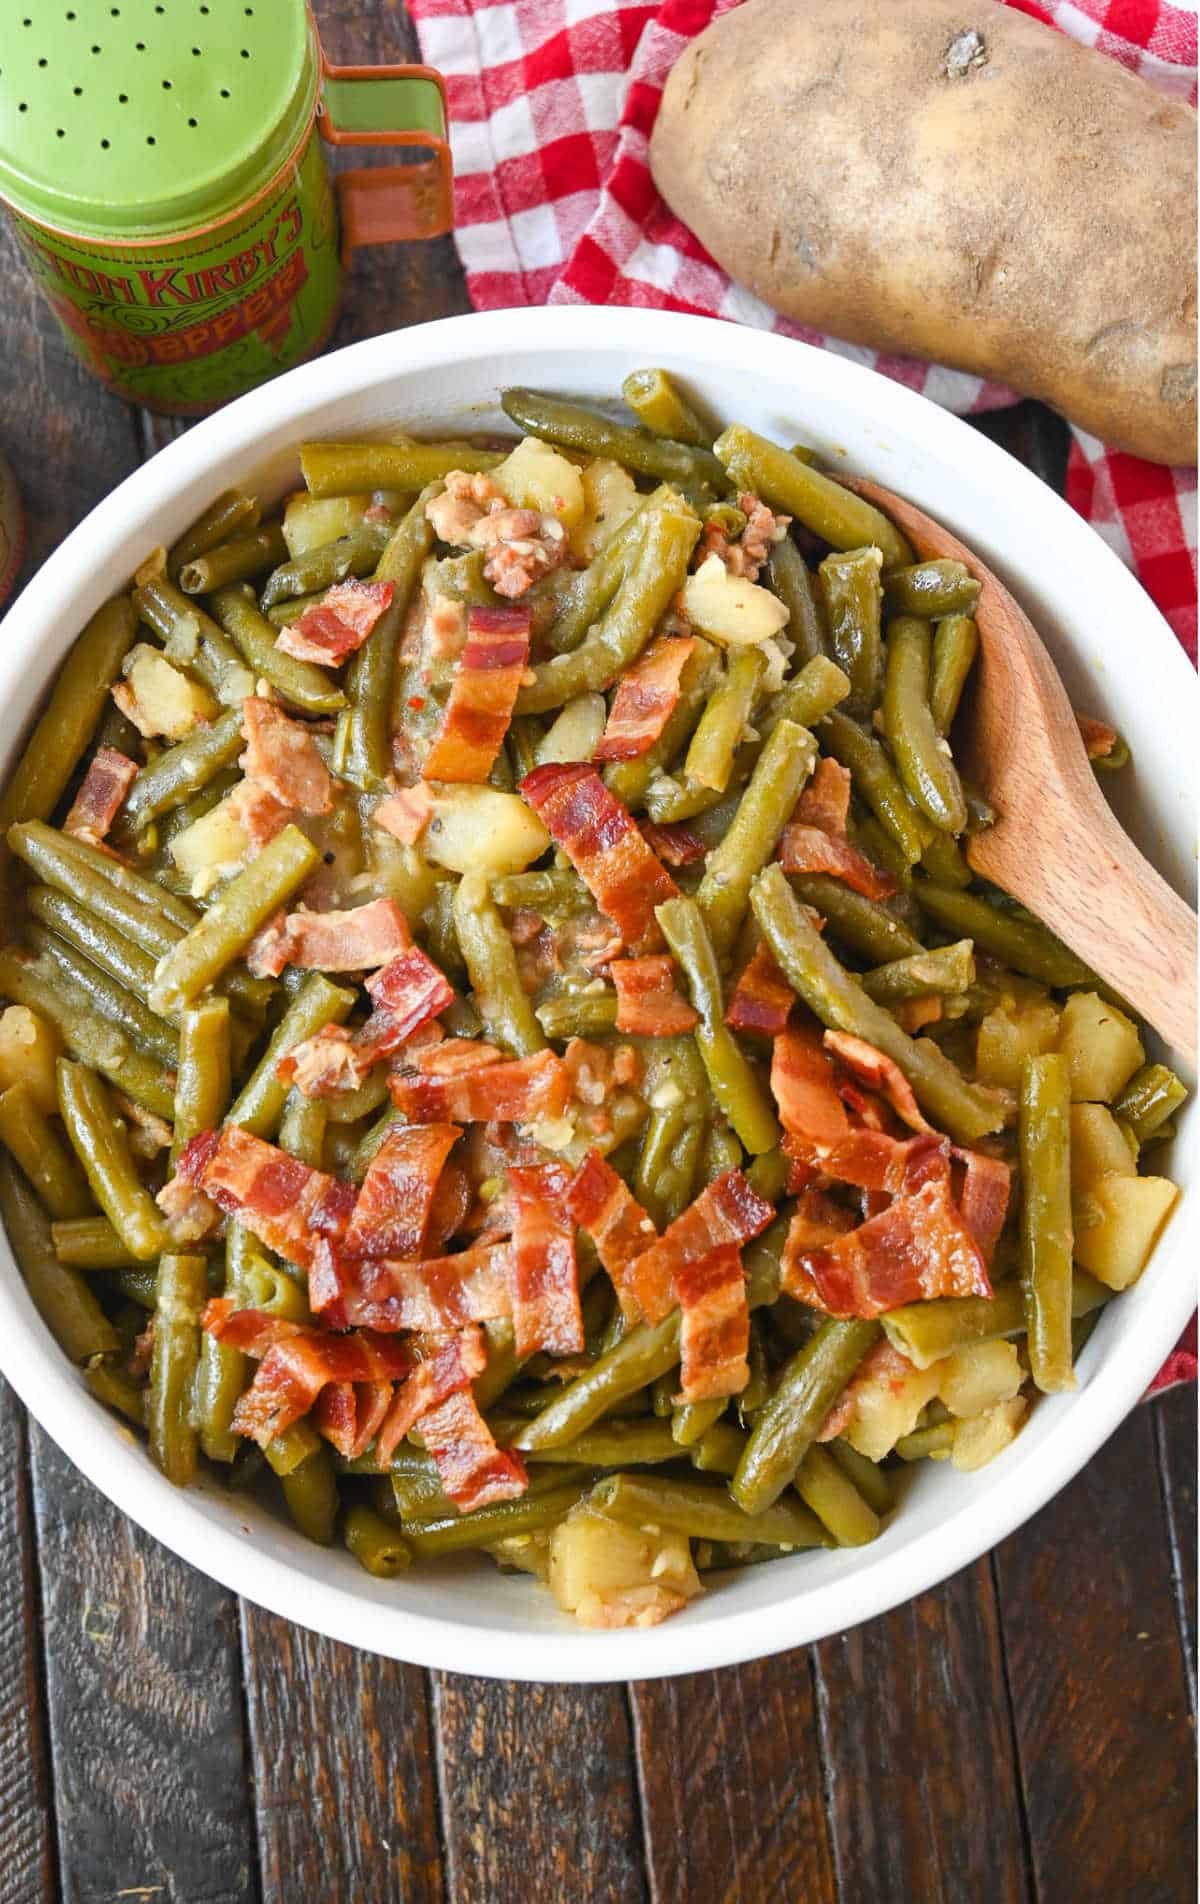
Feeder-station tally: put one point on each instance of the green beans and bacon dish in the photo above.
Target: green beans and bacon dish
(503, 1045)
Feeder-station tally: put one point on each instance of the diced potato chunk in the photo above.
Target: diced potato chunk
(611, 1575)
(1007, 1036)
(1117, 1223)
(309, 522)
(576, 732)
(1099, 1147)
(609, 499)
(980, 1440)
(212, 848)
(535, 476)
(735, 612)
(1101, 1046)
(159, 699)
(887, 1407)
(481, 829)
(29, 1047)
(978, 1376)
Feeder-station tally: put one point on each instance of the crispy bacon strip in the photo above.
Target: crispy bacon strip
(408, 994)
(405, 814)
(1098, 737)
(330, 630)
(916, 1249)
(447, 1370)
(280, 1200)
(983, 1199)
(825, 801)
(281, 755)
(804, 1082)
(806, 849)
(356, 940)
(472, 1469)
(872, 1160)
(392, 1211)
(601, 1203)
(673, 842)
(818, 1220)
(513, 1090)
(349, 1414)
(648, 1002)
(482, 695)
(879, 1073)
(728, 1211)
(645, 699)
(545, 1289)
(260, 815)
(714, 1325)
(601, 839)
(433, 1295)
(297, 1361)
(762, 999)
(101, 794)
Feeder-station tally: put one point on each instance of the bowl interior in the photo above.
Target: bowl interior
(1118, 660)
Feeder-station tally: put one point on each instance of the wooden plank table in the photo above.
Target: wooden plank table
(1024, 1732)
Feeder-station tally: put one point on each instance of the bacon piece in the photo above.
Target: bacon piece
(191, 1216)
(471, 1468)
(714, 1325)
(393, 1206)
(1098, 737)
(879, 1073)
(825, 801)
(601, 1203)
(323, 1065)
(101, 794)
(804, 1083)
(281, 755)
(259, 814)
(762, 999)
(983, 1199)
(408, 993)
(280, 1200)
(514, 1090)
(482, 695)
(297, 1362)
(727, 1211)
(453, 1056)
(646, 697)
(673, 842)
(648, 1002)
(872, 1160)
(545, 1287)
(334, 628)
(450, 1208)
(349, 1414)
(805, 849)
(818, 1220)
(405, 814)
(433, 1295)
(601, 839)
(352, 941)
(916, 1249)
(449, 1368)
(461, 504)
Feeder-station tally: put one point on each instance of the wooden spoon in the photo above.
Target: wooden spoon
(1056, 845)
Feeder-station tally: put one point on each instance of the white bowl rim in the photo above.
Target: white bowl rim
(117, 1465)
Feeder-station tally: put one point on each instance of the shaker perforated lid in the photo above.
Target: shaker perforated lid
(131, 117)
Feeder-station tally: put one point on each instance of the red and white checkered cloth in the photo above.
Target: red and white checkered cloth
(551, 107)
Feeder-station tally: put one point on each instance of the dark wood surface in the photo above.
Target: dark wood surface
(1024, 1732)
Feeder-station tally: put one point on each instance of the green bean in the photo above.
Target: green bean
(300, 683)
(808, 697)
(233, 513)
(966, 1111)
(68, 721)
(578, 1014)
(491, 960)
(926, 1331)
(942, 860)
(234, 561)
(834, 1499)
(791, 579)
(339, 469)
(784, 765)
(221, 1376)
(259, 1104)
(923, 757)
(193, 638)
(356, 1105)
(1019, 940)
(52, 1169)
(569, 602)
(940, 973)
(852, 596)
(1152, 1095)
(530, 1514)
(302, 1128)
(638, 1357)
(117, 1391)
(869, 1478)
(703, 1512)
(557, 420)
(865, 926)
(558, 894)
(102, 1146)
(139, 1285)
(419, 1495)
(668, 1162)
(182, 770)
(368, 679)
(311, 1495)
(1044, 1136)
(932, 590)
(719, 1449)
(143, 1028)
(283, 614)
(734, 1085)
(668, 799)
(90, 1242)
(251, 898)
(85, 1035)
(312, 572)
(375, 1545)
(59, 1294)
(955, 645)
(875, 779)
(837, 515)
(182, 1294)
(721, 727)
(203, 1081)
(722, 1151)
(1118, 756)
(768, 1173)
(691, 1421)
(658, 406)
(614, 1443)
(662, 1394)
(296, 1444)
(654, 577)
(936, 1440)
(787, 1427)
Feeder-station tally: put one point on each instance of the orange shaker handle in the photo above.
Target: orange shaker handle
(389, 106)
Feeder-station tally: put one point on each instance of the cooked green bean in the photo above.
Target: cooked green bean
(221, 1375)
(864, 925)
(283, 614)
(556, 420)
(318, 569)
(789, 1424)
(703, 1512)
(139, 1285)
(835, 1500)
(569, 602)
(1044, 1136)
(966, 1111)
(955, 645)
(143, 1028)
(500, 999)
(419, 1495)
(367, 761)
(194, 638)
(931, 589)
(723, 723)
(90, 1242)
(222, 934)
(926, 1331)
(876, 781)
(791, 579)
(68, 721)
(375, 1545)
(354, 1106)
(677, 1091)
(937, 1439)
(302, 1128)
(203, 1081)
(808, 697)
(940, 973)
(837, 515)
(52, 1169)
(300, 683)
(658, 406)
(259, 1104)
(59, 1294)
(691, 1421)
(578, 1014)
(85, 1035)
(645, 1352)
(234, 561)
(296, 1444)
(767, 1174)
(1019, 940)
(852, 597)
(734, 1084)
(922, 756)
(117, 1391)
(668, 799)
(784, 765)
(530, 1514)
(1152, 1095)
(311, 1495)
(557, 894)
(180, 771)
(100, 1142)
(942, 860)
(719, 1449)
(868, 1477)
(233, 513)
(181, 1296)
(339, 469)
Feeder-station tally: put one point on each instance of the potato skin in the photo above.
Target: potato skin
(951, 181)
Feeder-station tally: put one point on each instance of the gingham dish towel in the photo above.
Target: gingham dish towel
(551, 107)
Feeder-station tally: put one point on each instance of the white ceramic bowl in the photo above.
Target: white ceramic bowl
(1119, 660)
